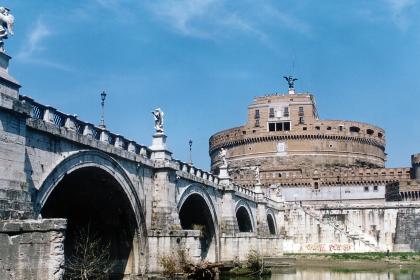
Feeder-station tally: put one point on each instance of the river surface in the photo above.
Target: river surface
(338, 274)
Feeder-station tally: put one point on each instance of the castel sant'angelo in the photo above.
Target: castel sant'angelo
(296, 150)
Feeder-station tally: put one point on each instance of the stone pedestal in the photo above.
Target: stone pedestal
(159, 149)
(224, 175)
(9, 86)
(291, 91)
(258, 191)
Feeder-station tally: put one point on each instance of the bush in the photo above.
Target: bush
(254, 261)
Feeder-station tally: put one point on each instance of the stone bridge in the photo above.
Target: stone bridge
(140, 199)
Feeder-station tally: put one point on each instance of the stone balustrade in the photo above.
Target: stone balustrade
(248, 192)
(70, 122)
(197, 172)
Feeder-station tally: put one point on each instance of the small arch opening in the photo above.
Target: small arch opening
(271, 224)
(244, 220)
(195, 215)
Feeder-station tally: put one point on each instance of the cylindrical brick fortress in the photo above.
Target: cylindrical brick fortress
(284, 136)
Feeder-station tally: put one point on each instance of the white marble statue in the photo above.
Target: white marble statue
(6, 25)
(222, 155)
(257, 174)
(158, 114)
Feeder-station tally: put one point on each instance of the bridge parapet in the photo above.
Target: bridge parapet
(71, 123)
(248, 193)
(193, 173)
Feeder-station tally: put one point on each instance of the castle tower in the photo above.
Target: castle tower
(415, 163)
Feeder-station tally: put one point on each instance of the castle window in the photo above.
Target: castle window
(354, 129)
(369, 131)
(329, 128)
(366, 189)
(257, 124)
(317, 127)
(301, 120)
(301, 111)
(286, 112)
(375, 188)
(257, 114)
(271, 113)
(305, 128)
(279, 126)
(316, 186)
(380, 135)
(340, 128)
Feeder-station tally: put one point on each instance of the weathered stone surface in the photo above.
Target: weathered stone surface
(32, 249)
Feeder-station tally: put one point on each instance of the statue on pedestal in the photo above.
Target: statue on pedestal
(6, 25)
(158, 114)
(257, 174)
(222, 155)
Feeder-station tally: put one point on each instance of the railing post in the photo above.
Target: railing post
(49, 114)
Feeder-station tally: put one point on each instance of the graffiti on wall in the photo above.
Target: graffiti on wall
(328, 247)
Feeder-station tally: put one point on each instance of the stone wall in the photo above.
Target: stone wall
(362, 228)
(239, 245)
(32, 249)
(407, 236)
(166, 243)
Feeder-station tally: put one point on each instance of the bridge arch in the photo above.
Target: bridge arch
(93, 191)
(244, 216)
(197, 211)
(271, 222)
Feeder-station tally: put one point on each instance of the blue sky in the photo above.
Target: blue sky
(203, 61)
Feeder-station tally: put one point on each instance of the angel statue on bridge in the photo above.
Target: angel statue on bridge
(158, 114)
(222, 156)
(6, 25)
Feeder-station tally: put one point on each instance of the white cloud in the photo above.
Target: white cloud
(214, 19)
(31, 51)
(399, 11)
(34, 43)
(181, 14)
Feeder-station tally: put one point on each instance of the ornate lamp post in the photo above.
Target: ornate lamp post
(102, 122)
(190, 143)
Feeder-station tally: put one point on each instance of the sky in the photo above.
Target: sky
(203, 62)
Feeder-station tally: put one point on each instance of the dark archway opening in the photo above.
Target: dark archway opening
(90, 198)
(244, 221)
(271, 225)
(195, 214)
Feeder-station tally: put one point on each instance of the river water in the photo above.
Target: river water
(338, 274)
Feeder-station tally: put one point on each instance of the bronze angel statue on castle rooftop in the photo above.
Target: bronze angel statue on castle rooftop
(6, 25)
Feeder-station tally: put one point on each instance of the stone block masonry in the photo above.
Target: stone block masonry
(32, 249)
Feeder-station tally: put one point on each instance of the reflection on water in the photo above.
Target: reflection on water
(339, 274)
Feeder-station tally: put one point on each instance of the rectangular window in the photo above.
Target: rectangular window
(279, 126)
(286, 112)
(257, 114)
(301, 113)
(375, 188)
(257, 123)
(301, 120)
(366, 189)
(271, 114)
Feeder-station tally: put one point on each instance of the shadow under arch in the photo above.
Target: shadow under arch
(244, 217)
(271, 222)
(196, 211)
(91, 189)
